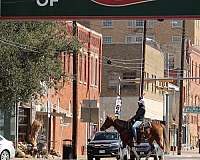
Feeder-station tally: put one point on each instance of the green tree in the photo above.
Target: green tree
(29, 54)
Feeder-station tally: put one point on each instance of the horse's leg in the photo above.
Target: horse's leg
(135, 153)
(159, 140)
(152, 148)
(160, 144)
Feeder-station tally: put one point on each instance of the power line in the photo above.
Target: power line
(117, 66)
(18, 46)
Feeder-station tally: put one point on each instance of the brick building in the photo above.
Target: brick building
(192, 96)
(55, 109)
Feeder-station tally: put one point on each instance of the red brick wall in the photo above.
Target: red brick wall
(88, 86)
(194, 94)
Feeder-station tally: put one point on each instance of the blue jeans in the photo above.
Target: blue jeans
(134, 128)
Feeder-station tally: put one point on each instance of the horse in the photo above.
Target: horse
(152, 131)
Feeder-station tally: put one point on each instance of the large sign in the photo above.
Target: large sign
(95, 8)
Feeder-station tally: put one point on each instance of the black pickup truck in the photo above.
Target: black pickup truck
(105, 144)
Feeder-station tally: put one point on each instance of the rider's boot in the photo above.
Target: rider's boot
(135, 136)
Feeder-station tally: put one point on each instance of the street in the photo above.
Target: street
(186, 155)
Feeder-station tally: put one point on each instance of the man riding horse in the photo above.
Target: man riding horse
(138, 118)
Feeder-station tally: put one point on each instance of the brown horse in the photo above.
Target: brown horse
(152, 131)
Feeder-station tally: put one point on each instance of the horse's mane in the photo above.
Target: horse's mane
(121, 123)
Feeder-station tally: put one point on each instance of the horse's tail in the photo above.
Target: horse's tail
(165, 138)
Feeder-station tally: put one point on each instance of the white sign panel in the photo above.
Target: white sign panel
(118, 106)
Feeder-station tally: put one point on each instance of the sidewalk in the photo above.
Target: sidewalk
(83, 157)
(185, 153)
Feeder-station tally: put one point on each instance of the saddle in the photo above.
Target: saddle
(143, 126)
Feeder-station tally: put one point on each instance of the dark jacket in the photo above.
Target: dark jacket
(139, 116)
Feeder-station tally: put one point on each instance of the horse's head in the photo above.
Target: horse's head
(107, 124)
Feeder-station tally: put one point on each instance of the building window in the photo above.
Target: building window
(107, 39)
(92, 71)
(191, 100)
(177, 23)
(171, 62)
(199, 73)
(85, 68)
(196, 100)
(151, 23)
(152, 84)
(160, 85)
(138, 39)
(96, 71)
(196, 71)
(64, 62)
(155, 84)
(192, 70)
(134, 39)
(107, 23)
(129, 39)
(80, 67)
(139, 23)
(68, 63)
(176, 39)
(113, 79)
(147, 82)
(129, 76)
(131, 23)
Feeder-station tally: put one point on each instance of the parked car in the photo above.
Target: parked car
(105, 144)
(7, 150)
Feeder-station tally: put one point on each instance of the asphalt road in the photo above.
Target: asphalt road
(186, 155)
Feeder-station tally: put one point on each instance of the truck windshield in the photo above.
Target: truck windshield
(106, 136)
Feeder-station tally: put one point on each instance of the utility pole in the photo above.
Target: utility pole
(181, 90)
(16, 123)
(143, 58)
(75, 98)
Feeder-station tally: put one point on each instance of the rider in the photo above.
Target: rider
(136, 120)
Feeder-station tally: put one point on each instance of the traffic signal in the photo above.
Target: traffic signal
(109, 61)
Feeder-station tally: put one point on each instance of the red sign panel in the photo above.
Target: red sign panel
(116, 3)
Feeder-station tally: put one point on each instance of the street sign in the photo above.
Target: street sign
(192, 109)
(89, 111)
(90, 115)
(89, 103)
(118, 106)
(69, 9)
